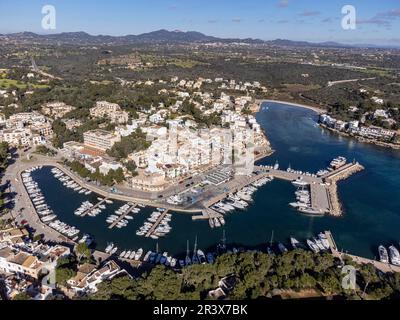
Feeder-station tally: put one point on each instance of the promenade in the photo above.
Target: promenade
(324, 197)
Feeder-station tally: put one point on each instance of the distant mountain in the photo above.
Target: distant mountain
(174, 36)
(291, 43)
(165, 36)
(160, 36)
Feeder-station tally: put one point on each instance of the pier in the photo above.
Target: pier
(86, 212)
(206, 215)
(384, 267)
(331, 180)
(122, 216)
(323, 190)
(234, 186)
(155, 225)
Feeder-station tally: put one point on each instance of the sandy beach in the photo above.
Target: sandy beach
(318, 110)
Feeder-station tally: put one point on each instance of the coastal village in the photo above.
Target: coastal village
(157, 166)
(179, 162)
(372, 134)
(174, 149)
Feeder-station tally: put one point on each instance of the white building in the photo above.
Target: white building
(100, 139)
(110, 110)
(89, 277)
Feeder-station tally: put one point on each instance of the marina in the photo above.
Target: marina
(267, 207)
(156, 224)
(123, 216)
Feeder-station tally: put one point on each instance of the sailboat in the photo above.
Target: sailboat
(269, 248)
(195, 259)
(188, 261)
(222, 246)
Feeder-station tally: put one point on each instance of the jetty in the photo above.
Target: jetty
(384, 267)
(331, 180)
(207, 214)
(323, 190)
(86, 212)
(122, 216)
(155, 225)
(233, 186)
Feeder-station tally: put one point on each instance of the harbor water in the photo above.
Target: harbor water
(371, 198)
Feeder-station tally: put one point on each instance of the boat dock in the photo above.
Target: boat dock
(323, 190)
(343, 172)
(206, 215)
(384, 267)
(155, 225)
(86, 212)
(122, 216)
(331, 180)
(233, 186)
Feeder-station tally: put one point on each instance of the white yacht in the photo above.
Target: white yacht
(300, 183)
(394, 255)
(324, 240)
(383, 254)
(138, 254)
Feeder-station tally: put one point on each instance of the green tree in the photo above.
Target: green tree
(82, 251)
(63, 275)
(22, 296)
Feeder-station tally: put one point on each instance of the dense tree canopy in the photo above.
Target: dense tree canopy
(257, 275)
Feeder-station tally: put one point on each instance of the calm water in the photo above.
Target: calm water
(371, 198)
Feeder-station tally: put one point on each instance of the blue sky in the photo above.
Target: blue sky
(310, 20)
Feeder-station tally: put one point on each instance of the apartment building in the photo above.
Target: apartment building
(100, 139)
(110, 110)
(44, 129)
(56, 109)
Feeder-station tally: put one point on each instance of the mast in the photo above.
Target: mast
(187, 248)
(195, 246)
(272, 238)
(195, 259)
(157, 247)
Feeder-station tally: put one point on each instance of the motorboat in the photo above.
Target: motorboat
(201, 256)
(311, 244)
(295, 243)
(383, 254)
(282, 248)
(394, 255)
(324, 240)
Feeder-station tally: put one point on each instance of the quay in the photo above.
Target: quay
(86, 212)
(323, 190)
(331, 180)
(155, 225)
(206, 215)
(384, 267)
(122, 216)
(233, 186)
